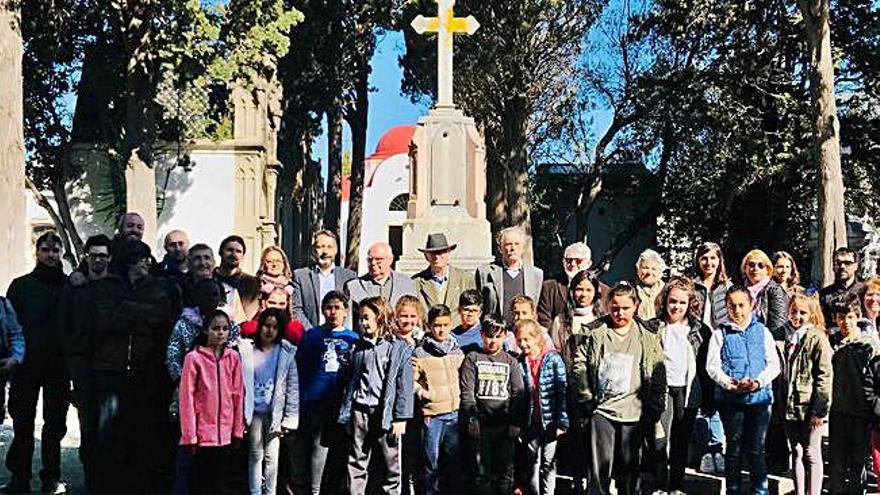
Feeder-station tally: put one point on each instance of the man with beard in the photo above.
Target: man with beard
(129, 227)
(554, 292)
(232, 251)
(35, 298)
(846, 281)
(311, 284)
(75, 337)
(131, 319)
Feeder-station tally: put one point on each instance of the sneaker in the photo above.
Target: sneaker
(54, 488)
(707, 463)
(719, 463)
(15, 487)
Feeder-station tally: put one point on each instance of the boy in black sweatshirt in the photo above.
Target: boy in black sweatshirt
(493, 409)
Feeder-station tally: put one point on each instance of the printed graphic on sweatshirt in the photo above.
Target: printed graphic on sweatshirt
(615, 374)
(335, 353)
(263, 391)
(492, 380)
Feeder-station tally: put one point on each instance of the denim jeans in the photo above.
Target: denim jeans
(746, 429)
(441, 453)
(536, 468)
(263, 449)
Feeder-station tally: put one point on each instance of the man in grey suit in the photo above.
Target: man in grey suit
(311, 284)
(501, 281)
(380, 280)
(441, 283)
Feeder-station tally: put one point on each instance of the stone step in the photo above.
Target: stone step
(698, 483)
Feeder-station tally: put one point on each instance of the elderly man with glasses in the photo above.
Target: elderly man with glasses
(380, 280)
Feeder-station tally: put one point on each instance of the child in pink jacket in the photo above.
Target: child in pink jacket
(211, 404)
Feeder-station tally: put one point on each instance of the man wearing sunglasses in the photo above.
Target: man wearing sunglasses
(35, 298)
(75, 335)
(846, 269)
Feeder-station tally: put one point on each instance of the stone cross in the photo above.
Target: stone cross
(445, 25)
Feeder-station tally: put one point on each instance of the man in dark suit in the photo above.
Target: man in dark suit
(380, 280)
(503, 280)
(440, 283)
(311, 284)
(554, 292)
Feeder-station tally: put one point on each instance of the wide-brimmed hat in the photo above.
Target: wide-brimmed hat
(437, 243)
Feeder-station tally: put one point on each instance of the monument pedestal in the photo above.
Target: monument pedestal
(447, 190)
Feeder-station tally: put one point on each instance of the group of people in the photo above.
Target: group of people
(194, 378)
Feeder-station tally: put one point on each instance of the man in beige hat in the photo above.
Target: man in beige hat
(440, 283)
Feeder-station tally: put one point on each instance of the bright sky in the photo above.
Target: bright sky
(388, 107)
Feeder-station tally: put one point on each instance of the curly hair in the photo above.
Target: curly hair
(695, 306)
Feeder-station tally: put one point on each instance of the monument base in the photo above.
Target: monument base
(472, 235)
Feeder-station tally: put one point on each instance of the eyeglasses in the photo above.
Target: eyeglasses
(756, 264)
(573, 260)
(845, 262)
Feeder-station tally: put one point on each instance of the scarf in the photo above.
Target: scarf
(269, 283)
(439, 349)
(755, 290)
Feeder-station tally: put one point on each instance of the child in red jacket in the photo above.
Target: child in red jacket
(211, 404)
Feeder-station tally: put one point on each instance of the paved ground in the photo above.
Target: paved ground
(71, 469)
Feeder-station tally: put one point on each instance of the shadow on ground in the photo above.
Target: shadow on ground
(71, 469)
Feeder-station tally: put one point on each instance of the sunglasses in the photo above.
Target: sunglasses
(756, 264)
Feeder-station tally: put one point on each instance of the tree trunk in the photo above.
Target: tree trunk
(357, 121)
(12, 199)
(832, 218)
(514, 123)
(333, 203)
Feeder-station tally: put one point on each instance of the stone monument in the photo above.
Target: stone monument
(447, 164)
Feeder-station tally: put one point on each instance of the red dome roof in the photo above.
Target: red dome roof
(395, 141)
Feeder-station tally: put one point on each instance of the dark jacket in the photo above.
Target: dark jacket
(552, 391)
(35, 298)
(700, 387)
(828, 295)
(871, 386)
(397, 391)
(850, 362)
(307, 292)
(492, 389)
(131, 325)
(554, 300)
(585, 370)
(773, 305)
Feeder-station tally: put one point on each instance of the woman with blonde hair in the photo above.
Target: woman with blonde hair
(274, 271)
(786, 272)
(771, 300)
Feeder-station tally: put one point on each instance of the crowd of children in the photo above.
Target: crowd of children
(486, 417)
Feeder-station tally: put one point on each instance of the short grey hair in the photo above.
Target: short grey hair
(510, 230)
(578, 249)
(651, 256)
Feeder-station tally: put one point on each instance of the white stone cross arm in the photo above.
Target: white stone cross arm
(445, 25)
